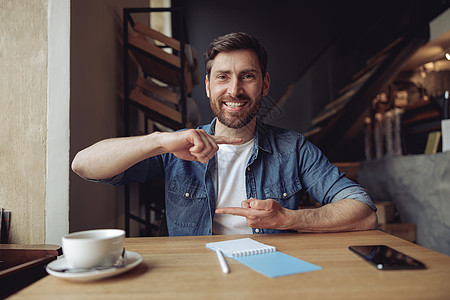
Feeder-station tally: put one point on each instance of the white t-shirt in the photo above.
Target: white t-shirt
(232, 163)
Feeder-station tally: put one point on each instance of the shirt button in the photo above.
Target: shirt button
(187, 195)
(284, 194)
(257, 230)
(248, 169)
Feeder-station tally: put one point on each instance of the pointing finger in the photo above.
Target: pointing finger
(226, 140)
(236, 211)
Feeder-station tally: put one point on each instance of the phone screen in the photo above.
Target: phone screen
(386, 258)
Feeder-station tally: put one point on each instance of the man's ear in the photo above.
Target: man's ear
(266, 84)
(207, 85)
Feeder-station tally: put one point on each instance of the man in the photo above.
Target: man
(235, 175)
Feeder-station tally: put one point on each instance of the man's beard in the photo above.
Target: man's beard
(238, 119)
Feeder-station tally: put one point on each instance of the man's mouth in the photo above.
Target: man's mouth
(235, 104)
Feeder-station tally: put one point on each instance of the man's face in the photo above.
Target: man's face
(235, 87)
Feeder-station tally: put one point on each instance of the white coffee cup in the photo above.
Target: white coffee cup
(93, 248)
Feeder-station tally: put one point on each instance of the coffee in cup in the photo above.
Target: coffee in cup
(93, 248)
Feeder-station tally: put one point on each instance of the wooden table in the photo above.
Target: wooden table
(183, 268)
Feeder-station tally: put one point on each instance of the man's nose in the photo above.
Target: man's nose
(235, 87)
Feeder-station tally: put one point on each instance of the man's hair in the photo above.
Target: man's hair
(235, 41)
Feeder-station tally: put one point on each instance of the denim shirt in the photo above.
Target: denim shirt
(282, 164)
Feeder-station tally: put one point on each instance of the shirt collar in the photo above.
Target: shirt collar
(261, 137)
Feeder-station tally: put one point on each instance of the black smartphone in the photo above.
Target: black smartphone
(385, 258)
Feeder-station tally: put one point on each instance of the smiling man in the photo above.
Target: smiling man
(235, 90)
(236, 174)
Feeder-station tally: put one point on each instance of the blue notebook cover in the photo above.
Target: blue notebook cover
(262, 258)
(276, 264)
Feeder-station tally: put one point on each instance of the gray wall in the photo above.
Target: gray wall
(418, 185)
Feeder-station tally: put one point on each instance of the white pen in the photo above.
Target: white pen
(222, 261)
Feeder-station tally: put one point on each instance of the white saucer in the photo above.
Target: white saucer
(132, 260)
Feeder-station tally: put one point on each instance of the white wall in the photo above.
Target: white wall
(58, 100)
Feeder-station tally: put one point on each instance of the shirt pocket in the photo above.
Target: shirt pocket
(284, 192)
(186, 202)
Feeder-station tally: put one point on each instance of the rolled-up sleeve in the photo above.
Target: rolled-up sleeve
(357, 193)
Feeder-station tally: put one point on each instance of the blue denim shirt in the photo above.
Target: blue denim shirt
(282, 164)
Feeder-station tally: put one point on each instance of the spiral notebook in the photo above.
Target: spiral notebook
(262, 258)
(241, 247)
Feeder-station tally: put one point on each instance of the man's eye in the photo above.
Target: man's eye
(249, 76)
(221, 77)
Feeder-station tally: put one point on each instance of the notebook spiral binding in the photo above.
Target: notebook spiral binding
(254, 251)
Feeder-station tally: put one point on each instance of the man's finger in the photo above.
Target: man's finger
(236, 211)
(259, 204)
(202, 141)
(197, 142)
(246, 203)
(226, 140)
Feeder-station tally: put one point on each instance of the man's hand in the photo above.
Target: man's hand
(194, 144)
(95, 161)
(260, 213)
(342, 215)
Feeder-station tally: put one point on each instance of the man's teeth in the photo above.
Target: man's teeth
(234, 104)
